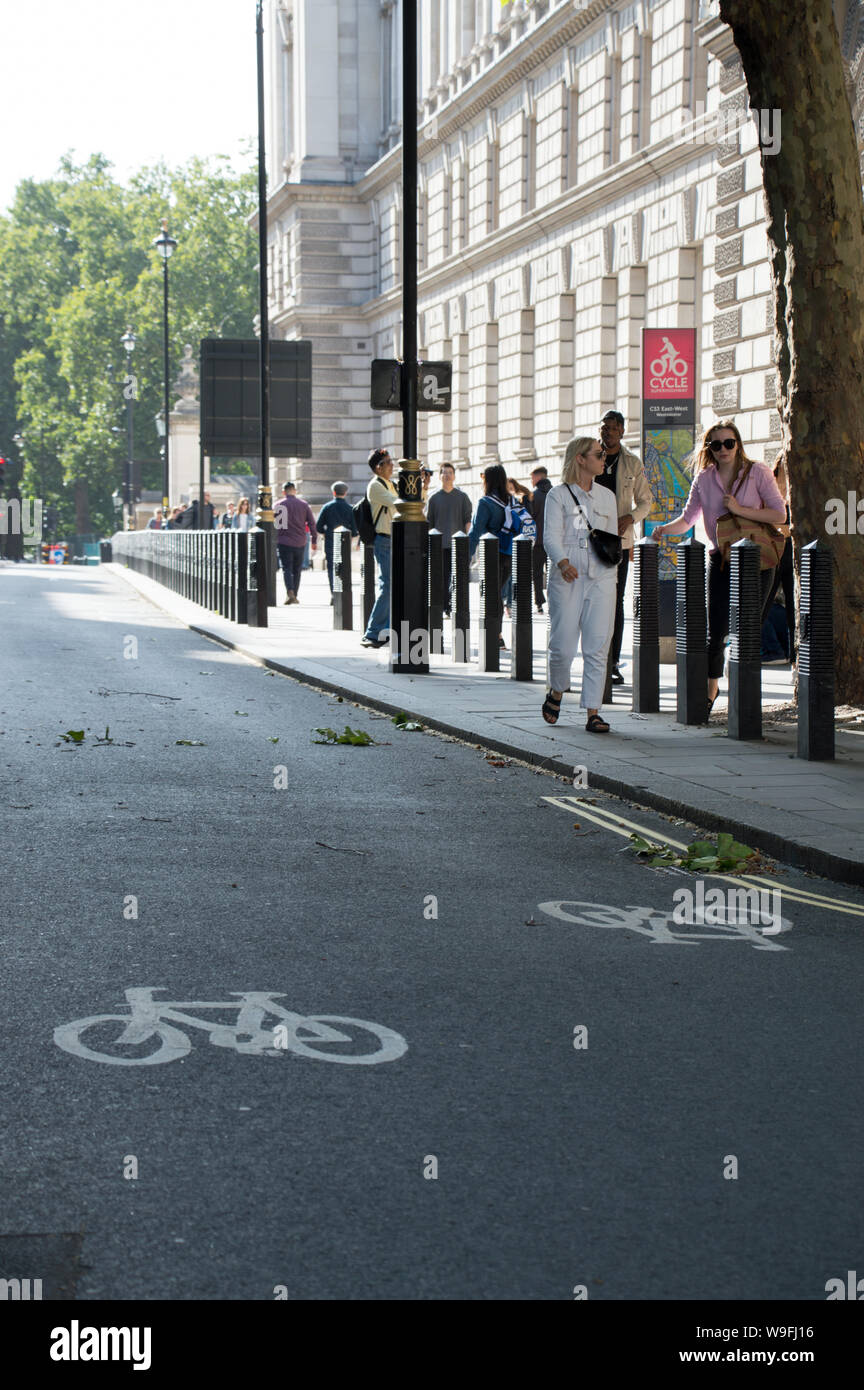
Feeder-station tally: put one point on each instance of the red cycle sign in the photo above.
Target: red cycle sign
(669, 376)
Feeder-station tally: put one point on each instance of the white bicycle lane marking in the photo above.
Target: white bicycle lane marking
(149, 1018)
(647, 921)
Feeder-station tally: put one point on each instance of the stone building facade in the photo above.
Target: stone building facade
(587, 168)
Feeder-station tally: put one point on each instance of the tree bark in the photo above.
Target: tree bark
(793, 64)
(82, 507)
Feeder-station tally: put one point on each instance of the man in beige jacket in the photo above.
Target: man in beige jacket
(624, 475)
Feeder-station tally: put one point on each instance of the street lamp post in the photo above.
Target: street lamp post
(409, 623)
(165, 245)
(128, 341)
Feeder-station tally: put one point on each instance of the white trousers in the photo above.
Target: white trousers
(586, 609)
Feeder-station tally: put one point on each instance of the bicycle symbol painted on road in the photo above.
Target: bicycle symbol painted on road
(323, 1037)
(647, 921)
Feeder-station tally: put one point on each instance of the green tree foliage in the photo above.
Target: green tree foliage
(77, 267)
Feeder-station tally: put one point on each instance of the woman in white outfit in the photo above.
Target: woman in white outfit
(581, 586)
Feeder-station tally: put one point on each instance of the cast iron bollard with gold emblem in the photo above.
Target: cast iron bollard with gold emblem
(409, 633)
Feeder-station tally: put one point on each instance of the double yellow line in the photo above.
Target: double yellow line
(619, 825)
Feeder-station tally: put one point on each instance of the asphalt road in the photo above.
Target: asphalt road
(138, 859)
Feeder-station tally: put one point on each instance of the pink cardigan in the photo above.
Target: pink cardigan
(706, 496)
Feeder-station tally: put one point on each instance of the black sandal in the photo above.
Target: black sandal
(596, 725)
(551, 709)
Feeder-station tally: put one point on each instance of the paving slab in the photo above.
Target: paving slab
(804, 813)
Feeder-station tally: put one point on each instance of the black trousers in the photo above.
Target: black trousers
(618, 629)
(538, 572)
(785, 574)
(291, 562)
(718, 608)
(505, 566)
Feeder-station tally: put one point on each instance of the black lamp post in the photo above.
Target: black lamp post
(409, 623)
(128, 341)
(165, 245)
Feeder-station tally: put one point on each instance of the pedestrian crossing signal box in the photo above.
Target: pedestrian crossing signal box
(434, 385)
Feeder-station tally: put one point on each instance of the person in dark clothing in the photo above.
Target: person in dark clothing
(491, 516)
(294, 521)
(339, 512)
(541, 485)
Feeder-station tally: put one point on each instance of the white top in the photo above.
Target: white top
(565, 532)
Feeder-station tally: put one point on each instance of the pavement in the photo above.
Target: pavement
(810, 814)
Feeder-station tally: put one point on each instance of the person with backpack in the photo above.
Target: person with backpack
(332, 515)
(374, 519)
(495, 513)
(520, 503)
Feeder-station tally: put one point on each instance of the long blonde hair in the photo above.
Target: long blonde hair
(577, 448)
(705, 458)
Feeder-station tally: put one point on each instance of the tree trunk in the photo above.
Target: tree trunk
(82, 507)
(793, 64)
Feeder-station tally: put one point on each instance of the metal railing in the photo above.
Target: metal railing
(220, 570)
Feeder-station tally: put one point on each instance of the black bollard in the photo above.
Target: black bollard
(816, 655)
(256, 584)
(745, 630)
(105, 552)
(231, 562)
(437, 594)
(646, 628)
(409, 599)
(460, 589)
(691, 634)
(490, 604)
(242, 577)
(367, 570)
(522, 656)
(343, 598)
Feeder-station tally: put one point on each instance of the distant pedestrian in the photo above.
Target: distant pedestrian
(448, 511)
(542, 487)
(382, 497)
(175, 522)
(623, 475)
(156, 520)
(426, 475)
(495, 514)
(226, 521)
(726, 481)
(520, 502)
(581, 585)
(243, 518)
(294, 522)
(333, 514)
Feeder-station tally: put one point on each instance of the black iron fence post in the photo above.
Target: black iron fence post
(816, 656)
(522, 629)
(490, 604)
(745, 653)
(691, 634)
(646, 628)
(343, 598)
(460, 589)
(436, 592)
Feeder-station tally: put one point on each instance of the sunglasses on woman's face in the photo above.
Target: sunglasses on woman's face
(717, 444)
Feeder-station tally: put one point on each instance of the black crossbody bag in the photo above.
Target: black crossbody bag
(607, 546)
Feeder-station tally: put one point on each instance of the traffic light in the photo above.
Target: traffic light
(2, 473)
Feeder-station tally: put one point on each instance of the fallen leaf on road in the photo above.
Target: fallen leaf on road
(189, 743)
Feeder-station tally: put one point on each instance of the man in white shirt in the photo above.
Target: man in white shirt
(382, 497)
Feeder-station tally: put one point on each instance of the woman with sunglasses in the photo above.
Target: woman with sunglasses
(581, 587)
(725, 480)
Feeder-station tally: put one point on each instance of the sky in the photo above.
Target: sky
(167, 79)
